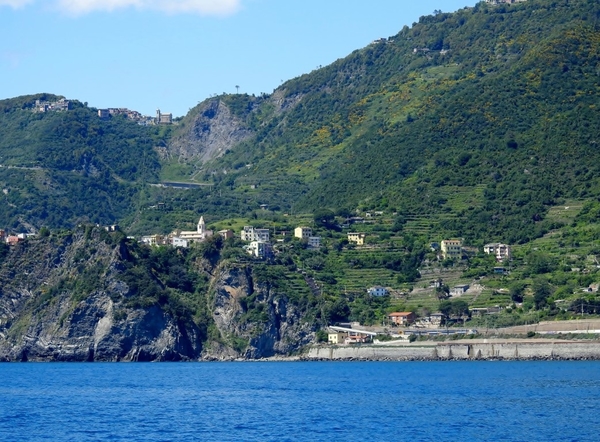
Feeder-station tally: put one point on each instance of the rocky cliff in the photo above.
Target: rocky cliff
(89, 295)
(263, 321)
(220, 124)
(207, 133)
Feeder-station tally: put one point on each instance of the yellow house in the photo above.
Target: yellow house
(303, 232)
(357, 238)
(451, 248)
(336, 337)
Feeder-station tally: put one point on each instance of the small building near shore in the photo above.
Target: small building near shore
(402, 318)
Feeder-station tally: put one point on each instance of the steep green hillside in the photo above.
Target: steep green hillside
(62, 167)
(467, 124)
(481, 119)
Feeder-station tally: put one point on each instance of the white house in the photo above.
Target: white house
(259, 249)
(500, 251)
(458, 290)
(249, 233)
(179, 242)
(377, 291)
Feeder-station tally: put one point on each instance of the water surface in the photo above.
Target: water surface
(309, 401)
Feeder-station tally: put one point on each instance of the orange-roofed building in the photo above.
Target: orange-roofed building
(402, 318)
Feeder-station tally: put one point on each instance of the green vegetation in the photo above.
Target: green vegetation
(480, 124)
(60, 168)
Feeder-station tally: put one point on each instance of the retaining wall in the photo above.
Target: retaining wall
(461, 351)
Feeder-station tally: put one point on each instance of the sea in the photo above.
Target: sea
(301, 401)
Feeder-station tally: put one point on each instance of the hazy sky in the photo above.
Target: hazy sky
(171, 54)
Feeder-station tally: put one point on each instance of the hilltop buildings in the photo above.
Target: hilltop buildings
(499, 2)
(180, 238)
(198, 235)
(47, 106)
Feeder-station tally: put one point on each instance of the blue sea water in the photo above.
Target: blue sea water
(301, 401)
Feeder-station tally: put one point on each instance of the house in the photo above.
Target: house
(303, 232)
(377, 291)
(459, 290)
(45, 106)
(179, 242)
(402, 318)
(249, 233)
(451, 248)
(11, 240)
(154, 240)
(103, 114)
(436, 319)
(436, 283)
(226, 234)
(336, 337)
(314, 242)
(500, 251)
(199, 235)
(357, 238)
(357, 338)
(259, 249)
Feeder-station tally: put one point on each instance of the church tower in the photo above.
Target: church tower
(201, 225)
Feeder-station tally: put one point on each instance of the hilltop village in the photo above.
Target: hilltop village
(63, 104)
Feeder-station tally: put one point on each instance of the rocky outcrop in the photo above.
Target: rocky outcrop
(45, 317)
(71, 297)
(211, 129)
(207, 134)
(264, 322)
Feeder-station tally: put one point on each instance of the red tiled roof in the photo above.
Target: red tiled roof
(401, 314)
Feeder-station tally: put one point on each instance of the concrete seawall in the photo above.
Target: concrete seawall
(506, 350)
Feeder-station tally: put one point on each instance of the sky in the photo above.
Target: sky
(173, 54)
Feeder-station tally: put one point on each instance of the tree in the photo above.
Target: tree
(324, 218)
(442, 291)
(517, 289)
(542, 291)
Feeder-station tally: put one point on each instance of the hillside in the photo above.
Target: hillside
(483, 118)
(479, 124)
(479, 120)
(62, 167)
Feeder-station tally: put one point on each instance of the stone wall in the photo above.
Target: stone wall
(461, 351)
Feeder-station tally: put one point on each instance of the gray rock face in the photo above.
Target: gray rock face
(209, 135)
(212, 129)
(47, 315)
(41, 324)
(283, 330)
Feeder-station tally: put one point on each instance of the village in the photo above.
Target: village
(266, 243)
(104, 114)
